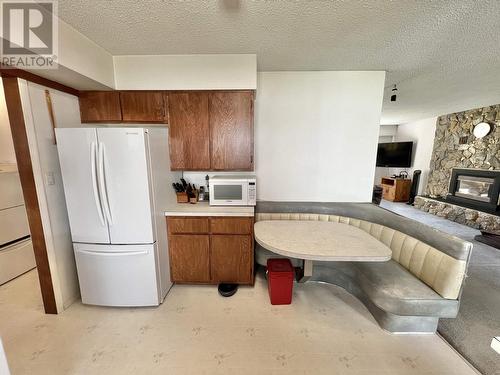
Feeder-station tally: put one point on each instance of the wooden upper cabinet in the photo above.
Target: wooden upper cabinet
(100, 106)
(209, 130)
(189, 130)
(144, 106)
(231, 130)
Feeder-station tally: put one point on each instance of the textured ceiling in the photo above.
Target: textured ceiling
(443, 54)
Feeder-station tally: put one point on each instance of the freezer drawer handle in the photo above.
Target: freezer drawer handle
(94, 182)
(115, 254)
(102, 184)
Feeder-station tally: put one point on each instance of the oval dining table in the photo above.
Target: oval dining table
(319, 241)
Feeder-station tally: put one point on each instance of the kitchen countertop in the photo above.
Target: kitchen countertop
(204, 209)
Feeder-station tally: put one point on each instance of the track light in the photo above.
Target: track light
(394, 93)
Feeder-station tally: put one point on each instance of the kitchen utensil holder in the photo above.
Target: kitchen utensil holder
(182, 197)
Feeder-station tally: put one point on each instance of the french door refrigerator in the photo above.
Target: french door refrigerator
(117, 186)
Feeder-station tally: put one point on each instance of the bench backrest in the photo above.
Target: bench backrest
(442, 272)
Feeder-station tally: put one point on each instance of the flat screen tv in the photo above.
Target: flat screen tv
(394, 154)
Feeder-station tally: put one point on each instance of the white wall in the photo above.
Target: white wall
(81, 63)
(82, 55)
(185, 72)
(387, 133)
(7, 153)
(422, 134)
(51, 199)
(316, 135)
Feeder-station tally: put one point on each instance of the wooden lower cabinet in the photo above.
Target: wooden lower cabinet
(231, 258)
(211, 250)
(189, 258)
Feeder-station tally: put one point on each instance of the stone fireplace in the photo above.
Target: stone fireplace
(464, 176)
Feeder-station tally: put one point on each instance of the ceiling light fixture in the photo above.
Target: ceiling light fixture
(394, 93)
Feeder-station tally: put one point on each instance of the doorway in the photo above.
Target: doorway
(31, 119)
(18, 276)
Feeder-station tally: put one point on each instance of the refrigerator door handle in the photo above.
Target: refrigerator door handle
(93, 164)
(115, 254)
(102, 184)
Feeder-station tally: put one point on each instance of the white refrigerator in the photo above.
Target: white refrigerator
(117, 184)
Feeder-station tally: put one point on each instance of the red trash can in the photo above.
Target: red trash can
(280, 275)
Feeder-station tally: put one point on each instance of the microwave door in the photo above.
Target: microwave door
(229, 193)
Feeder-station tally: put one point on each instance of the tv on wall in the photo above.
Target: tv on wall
(394, 154)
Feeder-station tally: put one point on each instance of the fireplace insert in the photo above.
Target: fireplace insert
(475, 188)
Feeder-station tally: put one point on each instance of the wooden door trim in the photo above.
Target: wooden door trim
(21, 147)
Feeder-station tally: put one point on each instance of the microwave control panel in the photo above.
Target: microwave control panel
(252, 193)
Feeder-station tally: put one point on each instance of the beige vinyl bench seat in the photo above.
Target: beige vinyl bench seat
(409, 293)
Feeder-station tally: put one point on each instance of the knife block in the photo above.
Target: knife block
(182, 197)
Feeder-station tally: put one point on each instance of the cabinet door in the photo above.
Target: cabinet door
(388, 192)
(231, 130)
(189, 258)
(143, 106)
(189, 131)
(231, 258)
(100, 106)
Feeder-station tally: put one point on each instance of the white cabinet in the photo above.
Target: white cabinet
(16, 259)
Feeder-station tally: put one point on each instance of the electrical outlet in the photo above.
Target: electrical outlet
(463, 140)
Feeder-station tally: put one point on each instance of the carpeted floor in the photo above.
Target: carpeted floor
(478, 320)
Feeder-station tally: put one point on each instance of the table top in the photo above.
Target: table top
(320, 240)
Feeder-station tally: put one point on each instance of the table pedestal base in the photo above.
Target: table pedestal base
(305, 272)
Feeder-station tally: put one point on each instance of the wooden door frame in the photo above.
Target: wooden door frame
(25, 167)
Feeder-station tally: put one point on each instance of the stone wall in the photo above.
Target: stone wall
(467, 216)
(448, 153)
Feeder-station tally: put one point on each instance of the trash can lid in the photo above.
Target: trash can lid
(279, 265)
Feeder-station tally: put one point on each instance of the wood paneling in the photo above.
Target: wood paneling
(231, 130)
(21, 146)
(100, 106)
(189, 258)
(231, 225)
(143, 106)
(189, 131)
(186, 225)
(231, 258)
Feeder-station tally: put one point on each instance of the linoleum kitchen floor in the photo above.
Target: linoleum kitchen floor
(324, 331)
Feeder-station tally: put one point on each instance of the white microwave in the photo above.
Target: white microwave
(230, 190)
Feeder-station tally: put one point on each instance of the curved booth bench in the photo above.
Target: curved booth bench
(409, 293)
